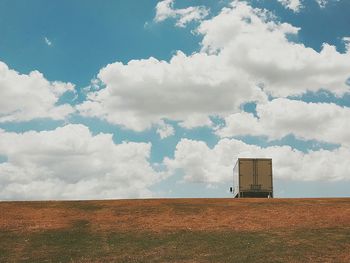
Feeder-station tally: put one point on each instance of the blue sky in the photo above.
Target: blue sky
(166, 80)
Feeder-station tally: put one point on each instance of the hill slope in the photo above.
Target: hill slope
(176, 230)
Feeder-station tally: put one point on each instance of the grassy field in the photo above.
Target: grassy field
(176, 230)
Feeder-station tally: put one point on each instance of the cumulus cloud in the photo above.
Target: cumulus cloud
(250, 40)
(294, 5)
(245, 55)
(165, 9)
(187, 89)
(277, 118)
(323, 3)
(346, 41)
(71, 163)
(25, 97)
(199, 163)
(165, 130)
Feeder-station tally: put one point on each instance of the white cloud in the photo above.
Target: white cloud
(294, 5)
(165, 130)
(187, 89)
(251, 41)
(346, 41)
(242, 49)
(199, 163)
(165, 9)
(323, 3)
(240, 123)
(196, 120)
(71, 163)
(47, 41)
(277, 118)
(25, 97)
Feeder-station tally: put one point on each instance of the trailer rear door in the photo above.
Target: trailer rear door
(246, 173)
(264, 168)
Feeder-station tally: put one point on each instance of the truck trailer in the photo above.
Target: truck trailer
(252, 177)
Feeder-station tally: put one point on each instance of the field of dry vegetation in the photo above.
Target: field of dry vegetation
(176, 230)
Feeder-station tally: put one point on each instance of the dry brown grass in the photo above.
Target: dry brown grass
(178, 214)
(311, 230)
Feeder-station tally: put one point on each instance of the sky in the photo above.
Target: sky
(158, 99)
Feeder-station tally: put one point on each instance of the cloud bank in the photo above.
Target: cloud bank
(199, 163)
(71, 163)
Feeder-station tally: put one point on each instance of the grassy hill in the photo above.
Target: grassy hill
(176, 230)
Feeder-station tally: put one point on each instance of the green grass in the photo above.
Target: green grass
(80, 244)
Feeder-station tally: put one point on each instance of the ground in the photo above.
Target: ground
(176, 230)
